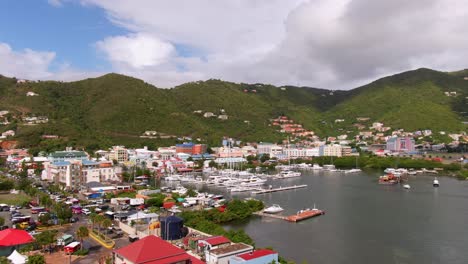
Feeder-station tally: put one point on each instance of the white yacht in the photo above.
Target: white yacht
(353, 171)
(329, 167)
(289, 174)
(435, 183)
(407, 186)
(273, 209)
(316, 167)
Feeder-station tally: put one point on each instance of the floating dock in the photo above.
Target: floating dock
(306, 214)
(280, 189)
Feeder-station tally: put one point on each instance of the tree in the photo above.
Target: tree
(81, 234)
(93, 218)
(106, 223)
(4, 260)
(44, 219)
(2, 221)
(63, 213)
(212, 164)
(36, 259)
(46, 238)
(98, 220)
(191, 193)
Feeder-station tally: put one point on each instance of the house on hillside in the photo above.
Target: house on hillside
(208, 114)
(31, 94)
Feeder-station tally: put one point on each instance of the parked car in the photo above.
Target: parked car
(86, 211)
(133, 238)
(74, 219)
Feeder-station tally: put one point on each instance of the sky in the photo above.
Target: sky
(333, 44)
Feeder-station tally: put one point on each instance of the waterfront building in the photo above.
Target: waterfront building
(222, 255)
(330, 150)
(154, 250)
(346, 151)
(259, 256)
(265, 148)
(400, 144)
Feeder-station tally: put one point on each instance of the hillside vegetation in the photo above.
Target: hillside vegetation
(116, 109)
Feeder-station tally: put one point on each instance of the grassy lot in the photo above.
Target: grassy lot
(14, 199)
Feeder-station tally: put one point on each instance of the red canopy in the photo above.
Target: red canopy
(12, 237)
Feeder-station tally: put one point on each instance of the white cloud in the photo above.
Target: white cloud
(136, 50)
(34, 65)
(25, 64)
(56, 3)
(321, 43)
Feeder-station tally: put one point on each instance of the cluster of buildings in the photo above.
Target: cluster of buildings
(222, 114)
(216, 250)
(288, 126)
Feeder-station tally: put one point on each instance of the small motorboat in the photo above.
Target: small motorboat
(407, 186)
(273, 209)
(435, 183)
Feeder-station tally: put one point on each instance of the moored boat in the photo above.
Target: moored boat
(435, 183)
(273, 209)
(407, 186)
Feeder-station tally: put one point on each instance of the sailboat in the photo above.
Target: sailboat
(355, 169)
(288, 173)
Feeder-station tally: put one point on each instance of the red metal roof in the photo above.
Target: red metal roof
(217, 240)
(154, 250)
(13, 237)
(257, 254)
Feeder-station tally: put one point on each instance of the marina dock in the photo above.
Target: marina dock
(261, 213)
(293, 218)
(280, 189)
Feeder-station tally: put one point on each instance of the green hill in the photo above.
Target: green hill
(116, 109)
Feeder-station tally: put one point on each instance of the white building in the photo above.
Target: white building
(331, 150)
(265, 148)
(223, 254)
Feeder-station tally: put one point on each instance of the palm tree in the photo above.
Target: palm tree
(92, 217)
(98, 220)
(106, 223)
(81, 234)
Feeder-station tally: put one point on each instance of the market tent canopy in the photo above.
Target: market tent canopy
(17, 258)
(12, 237)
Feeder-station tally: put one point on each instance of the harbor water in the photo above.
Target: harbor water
(366, 222)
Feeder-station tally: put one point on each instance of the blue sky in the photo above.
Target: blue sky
(69, 30)
(334, 44)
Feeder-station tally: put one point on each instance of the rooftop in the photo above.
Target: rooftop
(154, 250)
(217, 240)
(68, 154)
(230, 248)
(257, 254)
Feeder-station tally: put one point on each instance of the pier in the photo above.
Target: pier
(280, 189)
(261, 213)
(306, 214)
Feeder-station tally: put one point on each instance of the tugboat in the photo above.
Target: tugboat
(435, 183)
